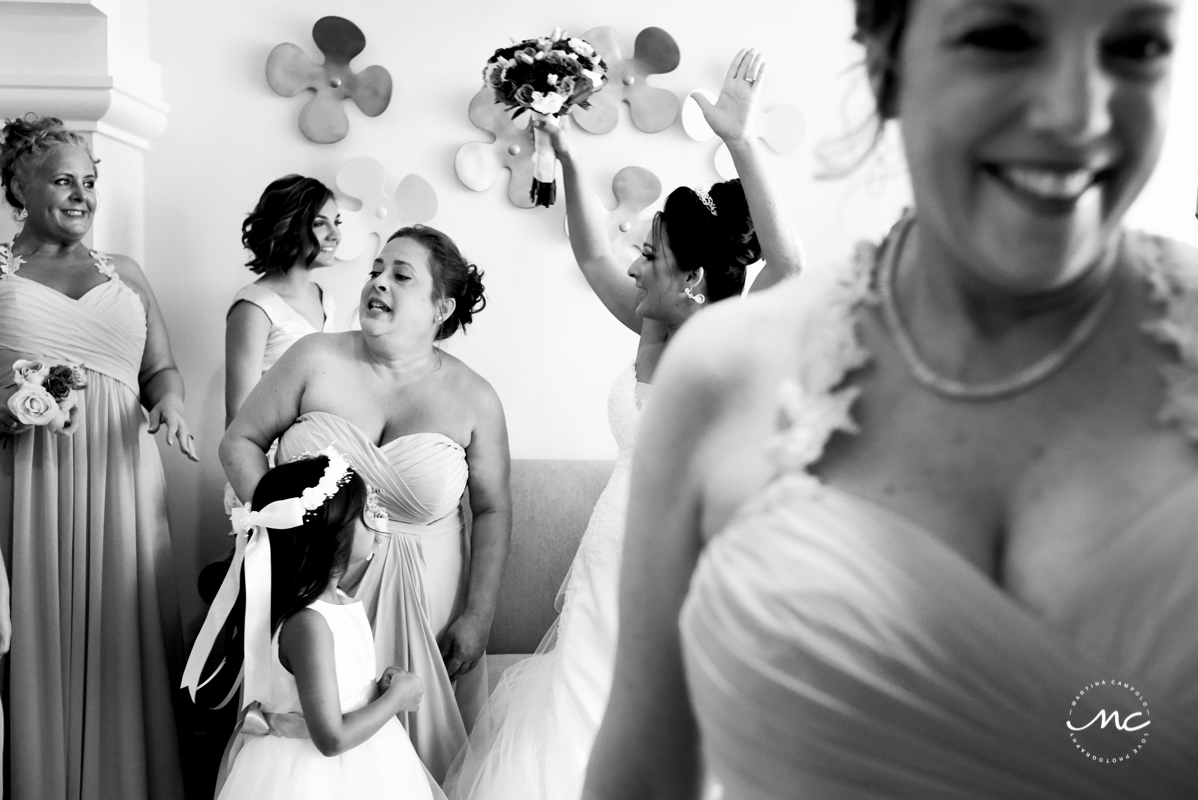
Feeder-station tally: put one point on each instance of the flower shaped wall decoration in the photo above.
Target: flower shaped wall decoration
(653, 110)
(635, 190)
(382, 213)
(781, 128)
(478, 164)
(289, 71)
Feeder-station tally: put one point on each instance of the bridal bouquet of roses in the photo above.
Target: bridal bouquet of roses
(46, 394)
(548, 76)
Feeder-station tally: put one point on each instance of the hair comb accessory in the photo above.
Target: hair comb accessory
(252, 548)
(705, 197)
(376, 517)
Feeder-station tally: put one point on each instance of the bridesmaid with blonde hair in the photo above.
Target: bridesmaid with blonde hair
(95, 619)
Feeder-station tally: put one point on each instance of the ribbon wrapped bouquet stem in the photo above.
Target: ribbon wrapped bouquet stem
(546, 76)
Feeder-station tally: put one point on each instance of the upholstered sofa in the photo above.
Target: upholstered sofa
(552, 501)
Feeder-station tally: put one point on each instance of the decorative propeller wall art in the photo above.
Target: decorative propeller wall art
(653, 110)
(289, 72)
(781, 128)
(478, 164)
(364, 179)
(635, 190)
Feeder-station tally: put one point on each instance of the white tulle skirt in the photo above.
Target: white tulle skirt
(533, 738)
(384, 767)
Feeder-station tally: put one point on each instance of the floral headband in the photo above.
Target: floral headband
(289, 512)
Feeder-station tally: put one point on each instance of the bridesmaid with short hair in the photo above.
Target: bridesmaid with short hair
(294, 229)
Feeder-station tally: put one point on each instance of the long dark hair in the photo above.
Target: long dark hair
(279, 229)
(722, 242)
(880, 25)
(303, 559)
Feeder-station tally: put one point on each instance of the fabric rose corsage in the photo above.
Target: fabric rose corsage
(548, 76)
(46, 394)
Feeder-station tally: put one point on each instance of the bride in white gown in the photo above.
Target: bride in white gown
(533, 738)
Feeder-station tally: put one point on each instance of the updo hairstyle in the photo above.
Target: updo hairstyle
(879, 26)
(453, 276)
(279, 230)
(723, 243)
(25, 142)
(303, 559)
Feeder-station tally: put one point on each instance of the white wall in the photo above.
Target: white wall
(544, 342)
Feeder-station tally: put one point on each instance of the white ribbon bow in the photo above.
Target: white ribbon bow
(280, 515)
(252, 549)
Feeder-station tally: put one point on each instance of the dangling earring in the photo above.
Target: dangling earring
(20, 215)
(698, 298)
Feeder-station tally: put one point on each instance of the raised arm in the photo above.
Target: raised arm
(269, 410)
(489, 462)
(159, 380)
(246, 330)
(732, 118)
(588, 236)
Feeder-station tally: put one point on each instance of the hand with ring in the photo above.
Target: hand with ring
(732, 115)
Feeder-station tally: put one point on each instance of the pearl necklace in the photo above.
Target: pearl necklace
(953, 389)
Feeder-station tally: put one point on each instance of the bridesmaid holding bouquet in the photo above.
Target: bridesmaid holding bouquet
(94, 616)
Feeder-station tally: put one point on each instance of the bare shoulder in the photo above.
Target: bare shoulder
(128, 269)
(130, 272)
(320, 346)
(305, 631)
(733, 347)
(468, 385)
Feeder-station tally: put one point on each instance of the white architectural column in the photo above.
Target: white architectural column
(86, 62)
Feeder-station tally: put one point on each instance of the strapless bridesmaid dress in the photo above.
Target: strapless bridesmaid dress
(415, 584)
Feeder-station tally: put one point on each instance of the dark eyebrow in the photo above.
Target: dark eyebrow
(1009, 8)
(1150, 12)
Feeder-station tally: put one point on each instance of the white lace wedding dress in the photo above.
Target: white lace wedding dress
(533, 738)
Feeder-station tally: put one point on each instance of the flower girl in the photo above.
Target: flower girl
(317, 723)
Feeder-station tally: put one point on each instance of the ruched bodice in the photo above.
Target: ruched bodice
(419, 477)
(83, 529)
(415, 585)
(104, 330)
(835, 649)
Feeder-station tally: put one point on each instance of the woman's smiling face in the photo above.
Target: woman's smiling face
(59, 193)
(1031, 125)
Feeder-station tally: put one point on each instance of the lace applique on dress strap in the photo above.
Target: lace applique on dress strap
(10, 262)
(817, 403)
(1174, 286)
(104, 264)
